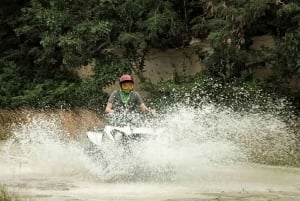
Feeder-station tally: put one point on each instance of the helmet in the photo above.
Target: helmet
(126, 78)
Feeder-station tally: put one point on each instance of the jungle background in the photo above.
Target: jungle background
(45, 44)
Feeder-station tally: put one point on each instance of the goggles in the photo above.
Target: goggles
(127, 85)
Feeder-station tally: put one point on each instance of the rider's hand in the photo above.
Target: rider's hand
(110, 112)
(151, 111)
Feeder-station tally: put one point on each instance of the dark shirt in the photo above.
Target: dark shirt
(135, 100)
(125, 113)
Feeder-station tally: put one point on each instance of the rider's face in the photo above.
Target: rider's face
(127, 85)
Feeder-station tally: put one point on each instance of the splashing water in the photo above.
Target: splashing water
(193, 141)
(41, 147)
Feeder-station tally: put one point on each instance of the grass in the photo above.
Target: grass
(5, 118)
(4, 135)
(7, 196)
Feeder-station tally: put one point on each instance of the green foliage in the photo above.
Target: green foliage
(229, 22)
(289, 12)
(106, 72)
(288, 61)
(10, 82)
(43, 41)
(231, 25)
(48, 94)
(239, 95)
(287, 58)
(284, 58)
(132, 41)
(89, 95)
(5, 195)
(160, 20)
(90, 92)
(66, 28)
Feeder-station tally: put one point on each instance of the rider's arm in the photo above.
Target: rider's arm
(111, 102)
(140, 102)
(146, 109)
(108, 108)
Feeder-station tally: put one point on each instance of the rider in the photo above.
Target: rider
(125, 99)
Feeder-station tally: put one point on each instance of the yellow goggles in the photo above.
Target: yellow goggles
(127, 85)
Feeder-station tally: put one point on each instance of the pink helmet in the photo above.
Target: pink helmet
(126, 78)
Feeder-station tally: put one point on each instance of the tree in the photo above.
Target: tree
(43, 42)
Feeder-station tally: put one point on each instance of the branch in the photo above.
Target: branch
(107, 42)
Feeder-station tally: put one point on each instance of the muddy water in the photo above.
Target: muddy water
(195, 158)
(239, 182)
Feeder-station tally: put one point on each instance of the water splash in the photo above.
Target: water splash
(42, 147)
(193, 141)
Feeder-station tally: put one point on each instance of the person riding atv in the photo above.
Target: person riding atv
(125, 100)
(126, 126)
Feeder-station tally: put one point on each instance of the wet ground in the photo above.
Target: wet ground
(58, 189)
(239, 182)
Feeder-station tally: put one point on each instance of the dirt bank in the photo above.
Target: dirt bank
(73, 122)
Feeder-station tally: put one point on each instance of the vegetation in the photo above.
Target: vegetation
(43, 42)
(239, 95)
(6, 196)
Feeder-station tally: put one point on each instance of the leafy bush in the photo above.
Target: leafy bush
(42, 40)
(10, 82)
(6, 196)
(239, 95)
